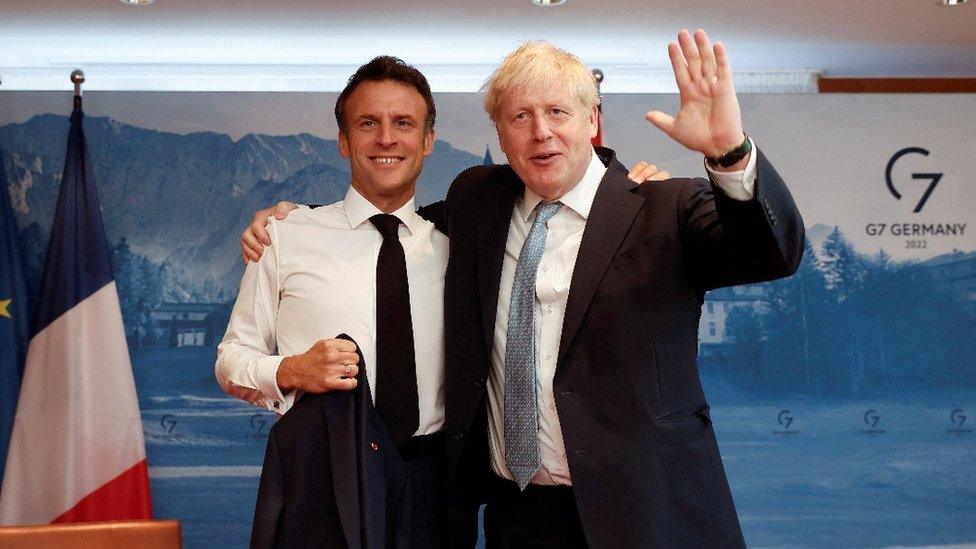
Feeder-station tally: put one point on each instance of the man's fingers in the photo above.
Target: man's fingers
(250, 246)
(343, 384)
(708, 66)
(644, 172)
(261, 216)
(663, 121)
(282, 209)
(660, 176)
(690, 51)
(343, 345)
(636, 170)
(679, 66)
(723, 68)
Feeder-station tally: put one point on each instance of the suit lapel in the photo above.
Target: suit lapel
(372, 494)
(493, 223)
(613, 212)
(343, 418)
(341, 423)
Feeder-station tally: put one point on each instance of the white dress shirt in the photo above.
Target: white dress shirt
(563, 237)
(316, 280)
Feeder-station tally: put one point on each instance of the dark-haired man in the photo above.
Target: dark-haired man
(368, 266)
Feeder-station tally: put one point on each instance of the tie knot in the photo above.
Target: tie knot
(386, 224)
(545, 210)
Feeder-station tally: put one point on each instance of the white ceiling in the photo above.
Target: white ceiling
(41, 40)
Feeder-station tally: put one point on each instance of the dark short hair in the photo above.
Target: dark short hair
(386, 67)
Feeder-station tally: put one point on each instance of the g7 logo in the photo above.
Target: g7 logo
(932, 177)
(784, 419)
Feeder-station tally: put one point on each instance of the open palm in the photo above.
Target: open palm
(709, 120)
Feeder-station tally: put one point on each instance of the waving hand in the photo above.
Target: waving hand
(708, 120)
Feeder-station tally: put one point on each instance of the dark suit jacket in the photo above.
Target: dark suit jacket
(642, 454)
(332, 477)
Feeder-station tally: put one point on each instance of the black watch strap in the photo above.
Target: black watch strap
(733, 156)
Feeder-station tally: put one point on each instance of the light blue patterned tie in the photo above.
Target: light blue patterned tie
(521, 412)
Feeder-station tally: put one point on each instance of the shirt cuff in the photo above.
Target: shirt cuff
(267, 381)
(737, 185)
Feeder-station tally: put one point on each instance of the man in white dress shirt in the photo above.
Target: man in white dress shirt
(323, 274)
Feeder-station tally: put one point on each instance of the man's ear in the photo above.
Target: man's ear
(343, 144)
(429, 142)
(594, 121)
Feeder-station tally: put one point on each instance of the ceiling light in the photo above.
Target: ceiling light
(953, 2)
(548, 3)
(136, 2)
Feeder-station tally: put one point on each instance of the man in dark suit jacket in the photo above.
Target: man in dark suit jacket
(625, 454)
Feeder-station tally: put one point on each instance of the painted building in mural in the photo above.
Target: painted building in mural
(190, 324)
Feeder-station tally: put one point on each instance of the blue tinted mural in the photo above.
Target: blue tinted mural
(840, 396)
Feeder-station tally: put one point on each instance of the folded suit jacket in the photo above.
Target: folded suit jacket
(333, 444)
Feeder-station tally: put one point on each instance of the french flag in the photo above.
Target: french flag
(76, 452)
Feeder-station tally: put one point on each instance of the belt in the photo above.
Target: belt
(423, 446)
(539, 494)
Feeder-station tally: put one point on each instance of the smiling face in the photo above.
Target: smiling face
(546, 133)
(385, 141)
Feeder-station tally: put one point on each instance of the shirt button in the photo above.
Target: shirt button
(545, 268)
(548, 356)
(549, 309)
(276, 404)
(552, 407)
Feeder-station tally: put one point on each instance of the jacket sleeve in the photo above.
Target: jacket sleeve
(729, 242)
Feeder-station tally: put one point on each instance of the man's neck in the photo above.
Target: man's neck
(385, 203)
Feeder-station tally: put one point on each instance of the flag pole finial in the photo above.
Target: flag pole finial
(77, 78)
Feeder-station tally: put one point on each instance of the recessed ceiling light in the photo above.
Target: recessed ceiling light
(953, 2)
(136, 2)
(548, 3)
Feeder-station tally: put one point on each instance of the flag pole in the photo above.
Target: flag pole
(598, 140)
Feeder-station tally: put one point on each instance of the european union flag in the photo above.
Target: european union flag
(14, 324)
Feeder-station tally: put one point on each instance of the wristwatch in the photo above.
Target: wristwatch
(733, 156)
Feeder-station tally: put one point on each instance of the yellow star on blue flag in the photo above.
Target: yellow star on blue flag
(4, 303)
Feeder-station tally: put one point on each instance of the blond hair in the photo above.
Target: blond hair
(538, 63)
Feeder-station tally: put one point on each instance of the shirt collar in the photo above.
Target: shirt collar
(359, 210)
(579, 198)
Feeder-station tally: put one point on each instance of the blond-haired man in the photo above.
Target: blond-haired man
(572, 298)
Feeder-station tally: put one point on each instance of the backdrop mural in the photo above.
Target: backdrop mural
(841, 396)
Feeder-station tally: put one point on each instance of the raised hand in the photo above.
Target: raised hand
(329, 365)
(708, 120)
(255, 237)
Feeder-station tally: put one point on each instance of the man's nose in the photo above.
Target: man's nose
(540, 128)
(385, 137)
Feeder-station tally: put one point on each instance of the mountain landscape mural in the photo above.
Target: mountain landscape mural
(839, 395)
(183, 200)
